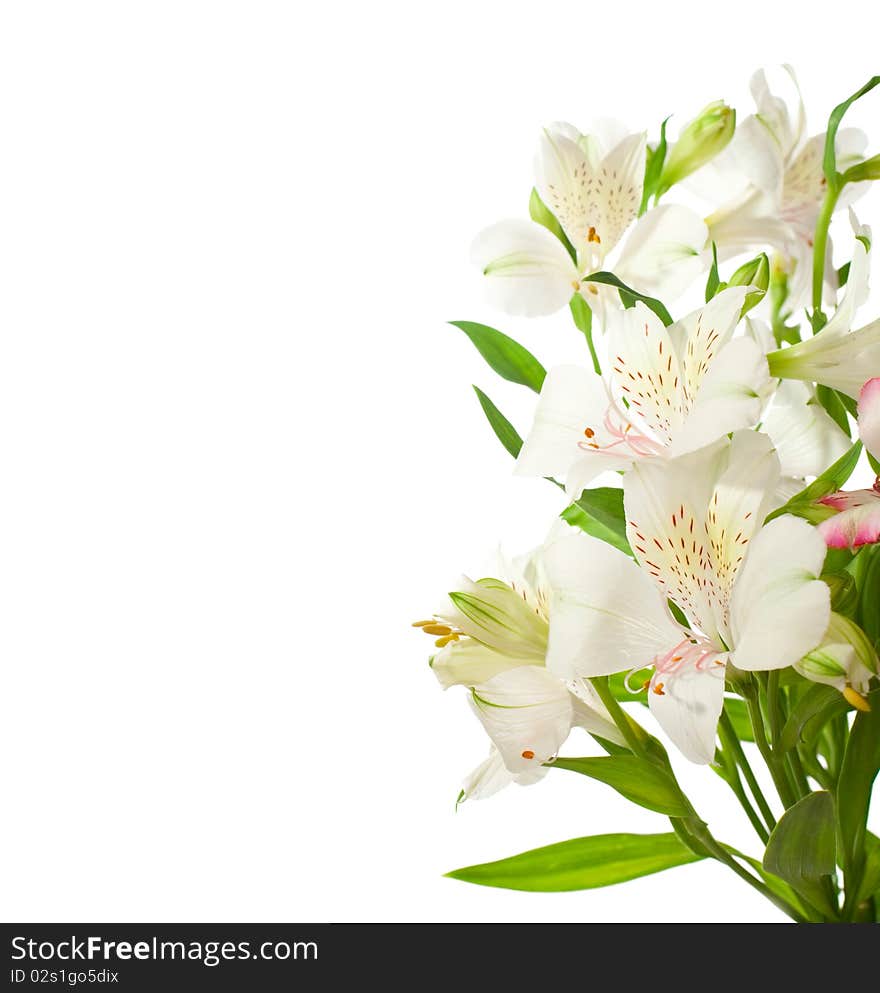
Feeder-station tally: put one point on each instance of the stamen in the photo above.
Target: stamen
(421, 624)
(658, 689)
(592, 237)
(528, 754)
(436, 629)
(444, 641)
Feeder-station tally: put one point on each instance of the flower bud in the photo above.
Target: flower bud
(845, 660)
(699, 142)
(755, 273)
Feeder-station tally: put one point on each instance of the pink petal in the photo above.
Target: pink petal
(855, 526)
(869, 416)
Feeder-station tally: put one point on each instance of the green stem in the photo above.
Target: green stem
(625, 725)
(596, 366)
(777, 769)
(729, 736)
(820, 247)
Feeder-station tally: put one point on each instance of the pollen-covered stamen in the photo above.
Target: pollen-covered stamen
(592, 237)
(528, 754)
(693, 650)
(855, 699)
(621, 430)
(444, 633)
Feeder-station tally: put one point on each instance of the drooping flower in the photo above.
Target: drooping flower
(749, 593)
(593, 186)
(781, 184)
(493, 640)
(686, 386)
(837, 356)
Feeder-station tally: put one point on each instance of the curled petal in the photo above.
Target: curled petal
(858, 522)
(869, 416)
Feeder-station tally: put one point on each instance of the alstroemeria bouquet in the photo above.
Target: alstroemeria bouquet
(723, 577)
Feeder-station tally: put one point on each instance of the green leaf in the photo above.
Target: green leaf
(505, 432)
(773, 882)
(507, 357)
(656, 158)
(815, 701)
(831, 480)
(830, 400)
(599, 512)
(738, 713)
(582, 863)
(640, 781)
(873, 463)
(869, 609)
(541, 214)
(871, 875)
(801, 849)
(861, 762)
(829, 160)
(628, 296)
(713, 283)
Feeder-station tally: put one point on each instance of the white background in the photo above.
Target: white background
(240, 452)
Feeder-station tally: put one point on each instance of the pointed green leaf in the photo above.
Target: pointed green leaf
(801, 849)
(818, 699)
(599, 512)
(829, 160)
(832, 479)
(640, 781)
(830, 400)
(871, 875)
(628, 296)
(655, 160)
(507, 357)
(861, 763)
(541, 214)
(713, 283)
(505, 432)
(869, 609)
(582, 863)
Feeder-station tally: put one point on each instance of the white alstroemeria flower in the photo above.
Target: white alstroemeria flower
(493, 640)
(782, 185)
(837, 356)
(686, 385)
(594, 189)
(869, 416)
(750, 594)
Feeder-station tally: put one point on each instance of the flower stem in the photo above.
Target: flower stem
(777, 768)
(820, 247)
(732, 743)
(625, 725)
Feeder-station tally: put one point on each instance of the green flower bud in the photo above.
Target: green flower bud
(755, 273)
(700, 141)
(845, 660)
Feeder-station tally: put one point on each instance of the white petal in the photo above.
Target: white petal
(687, 705)
(759, 331)
(854, 295)
(739, 503)
(527, 270)
(619, 179)
(806, 438)
(467, 662)
(646, 368)
(665, 504)
(569, 429)
(488, 778)
(564, 179)
(605, 615)
(700, 335)
(759, 157)
(869, 416)
(729, 397)
(664, 252)
(787, 129)
(527, 713)
(780, 609)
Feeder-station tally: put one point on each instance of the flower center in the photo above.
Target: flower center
(693, 650)
(622, 434)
